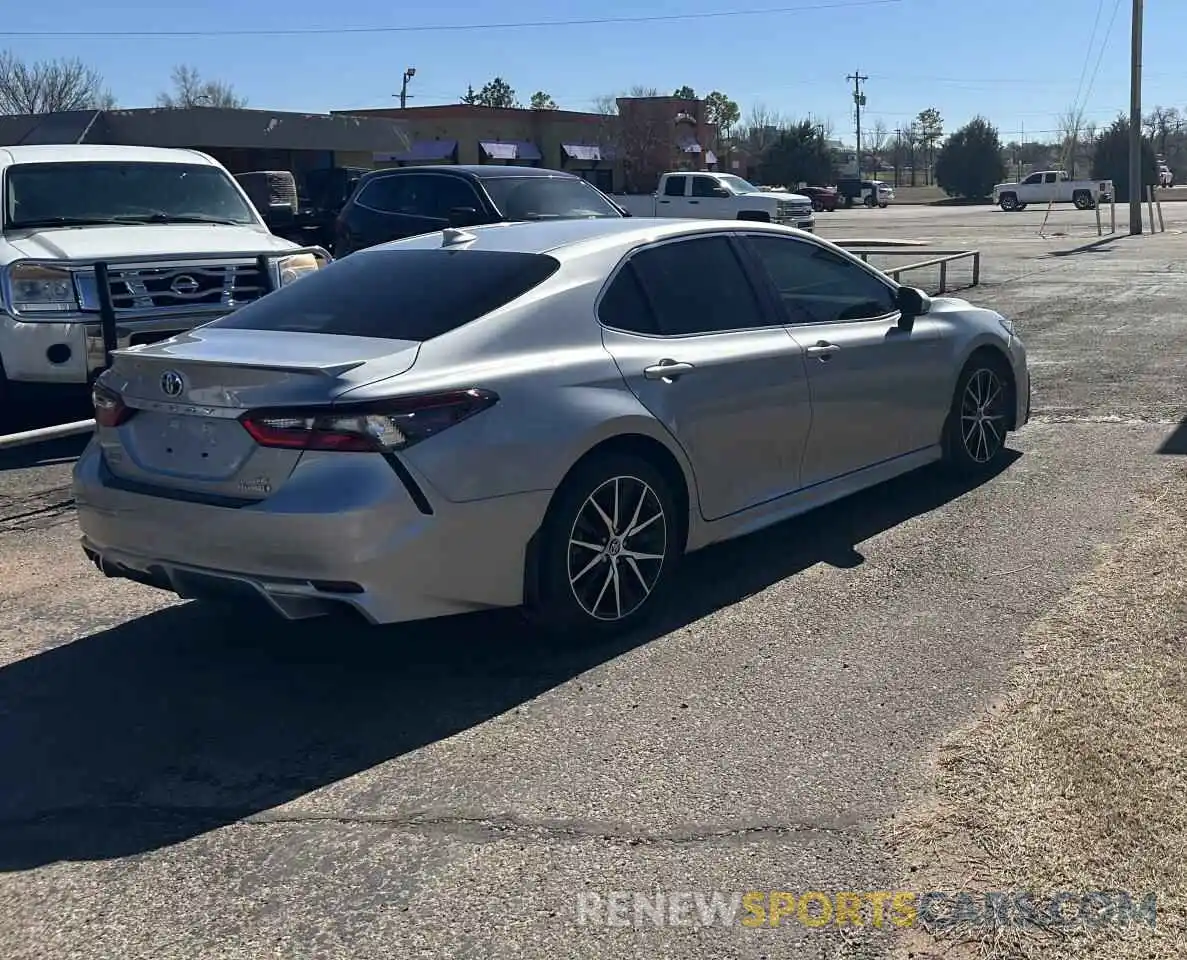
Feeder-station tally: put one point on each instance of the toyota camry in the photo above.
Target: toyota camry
(543, 415)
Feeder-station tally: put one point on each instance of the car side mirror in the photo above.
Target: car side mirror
(463, 217)
(911, 303)
(721, 192)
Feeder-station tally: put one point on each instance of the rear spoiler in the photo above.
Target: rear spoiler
(330, 370)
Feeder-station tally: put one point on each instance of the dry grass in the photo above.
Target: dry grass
(1077, 780)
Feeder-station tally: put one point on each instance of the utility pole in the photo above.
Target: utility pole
(1135, 124)
(408, 75)
(859, 101)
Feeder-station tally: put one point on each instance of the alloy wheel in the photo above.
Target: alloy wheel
(983, 415)
(617, 546)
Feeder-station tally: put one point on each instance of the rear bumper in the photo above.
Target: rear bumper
(317, 547)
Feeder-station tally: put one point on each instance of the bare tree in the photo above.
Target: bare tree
(190, 90)
(912, 140)
(876, 142)
(1161, 125)
(50, 86)
(1071, 128)
(638, 90)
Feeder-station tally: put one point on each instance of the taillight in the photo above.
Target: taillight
(382, 426)
(110, 410)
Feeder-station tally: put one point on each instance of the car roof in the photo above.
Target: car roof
(475, 171)
(98, 153)
(578, 237)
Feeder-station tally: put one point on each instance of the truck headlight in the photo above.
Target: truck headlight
(297, 266)
(42, 289)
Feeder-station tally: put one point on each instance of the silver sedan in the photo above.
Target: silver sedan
(548, 415)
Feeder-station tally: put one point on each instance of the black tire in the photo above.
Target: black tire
(1083, 200)
(818, 206)
(884, 204)
(574, 596)
(984, 390)
(870, 201)
(1008, 202)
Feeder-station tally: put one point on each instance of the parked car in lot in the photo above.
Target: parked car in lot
(546, 414)
(1166, 179)
(870, 193)
(407, 201)
(1051, 186)
(165, 239)
(824, 199)
(714, 196)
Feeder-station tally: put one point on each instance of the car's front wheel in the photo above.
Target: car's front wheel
(975, 431)
(608, 547)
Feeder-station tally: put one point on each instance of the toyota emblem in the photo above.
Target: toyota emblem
(171, 383)
(184, 285)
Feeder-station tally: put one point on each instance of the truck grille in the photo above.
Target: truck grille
(794, 211)
(194, 287)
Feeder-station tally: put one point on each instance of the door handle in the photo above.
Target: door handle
(822, 350)
(667, 370)
(694, 201)
(665, 201)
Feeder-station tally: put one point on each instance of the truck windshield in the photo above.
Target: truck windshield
(737, 184)
(547, 198)
(74, 194)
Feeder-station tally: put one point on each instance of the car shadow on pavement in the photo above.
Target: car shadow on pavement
(182, 721)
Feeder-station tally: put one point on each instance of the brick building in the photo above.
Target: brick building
(616, 153)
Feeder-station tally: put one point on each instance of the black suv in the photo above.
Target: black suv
(407, 201)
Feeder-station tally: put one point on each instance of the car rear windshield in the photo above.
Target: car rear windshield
(547, 198)
(397, 294)
(46, 194)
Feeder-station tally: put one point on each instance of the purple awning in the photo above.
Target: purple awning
(510, 150)
(583, 151)
(422, 151)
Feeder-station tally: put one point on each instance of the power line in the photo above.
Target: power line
(1103, 46)
(446, 28)
(1100, 8)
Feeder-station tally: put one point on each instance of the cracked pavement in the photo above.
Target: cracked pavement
(176, 785)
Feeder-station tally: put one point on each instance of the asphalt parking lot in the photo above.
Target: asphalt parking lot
(173, 785)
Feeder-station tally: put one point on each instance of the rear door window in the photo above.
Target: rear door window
(699, 286)
(396, 294)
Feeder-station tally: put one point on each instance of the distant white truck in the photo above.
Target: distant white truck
(720, 196)
(158, 240)
(1051, 186)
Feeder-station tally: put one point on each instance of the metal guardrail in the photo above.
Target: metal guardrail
(42, 434)
(940, 258)
(109, 323)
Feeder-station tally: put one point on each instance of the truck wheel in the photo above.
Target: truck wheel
(1008, 202)
(884, 204)
(1083, 200)
(870, 201)
(818, 206)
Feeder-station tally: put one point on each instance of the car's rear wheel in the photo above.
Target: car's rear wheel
(1008, 202)
(608, 547)
(980, 416)
(1083, 200)
(871, 201)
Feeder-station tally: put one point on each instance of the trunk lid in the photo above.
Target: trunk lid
(188, 393)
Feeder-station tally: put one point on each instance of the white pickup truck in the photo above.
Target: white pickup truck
(1051, 186)
(144, 241)
(720, 196)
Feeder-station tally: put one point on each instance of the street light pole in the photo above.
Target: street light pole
(408, 75)
(1135, 124)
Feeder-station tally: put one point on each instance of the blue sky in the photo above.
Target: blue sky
(1018, 62)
